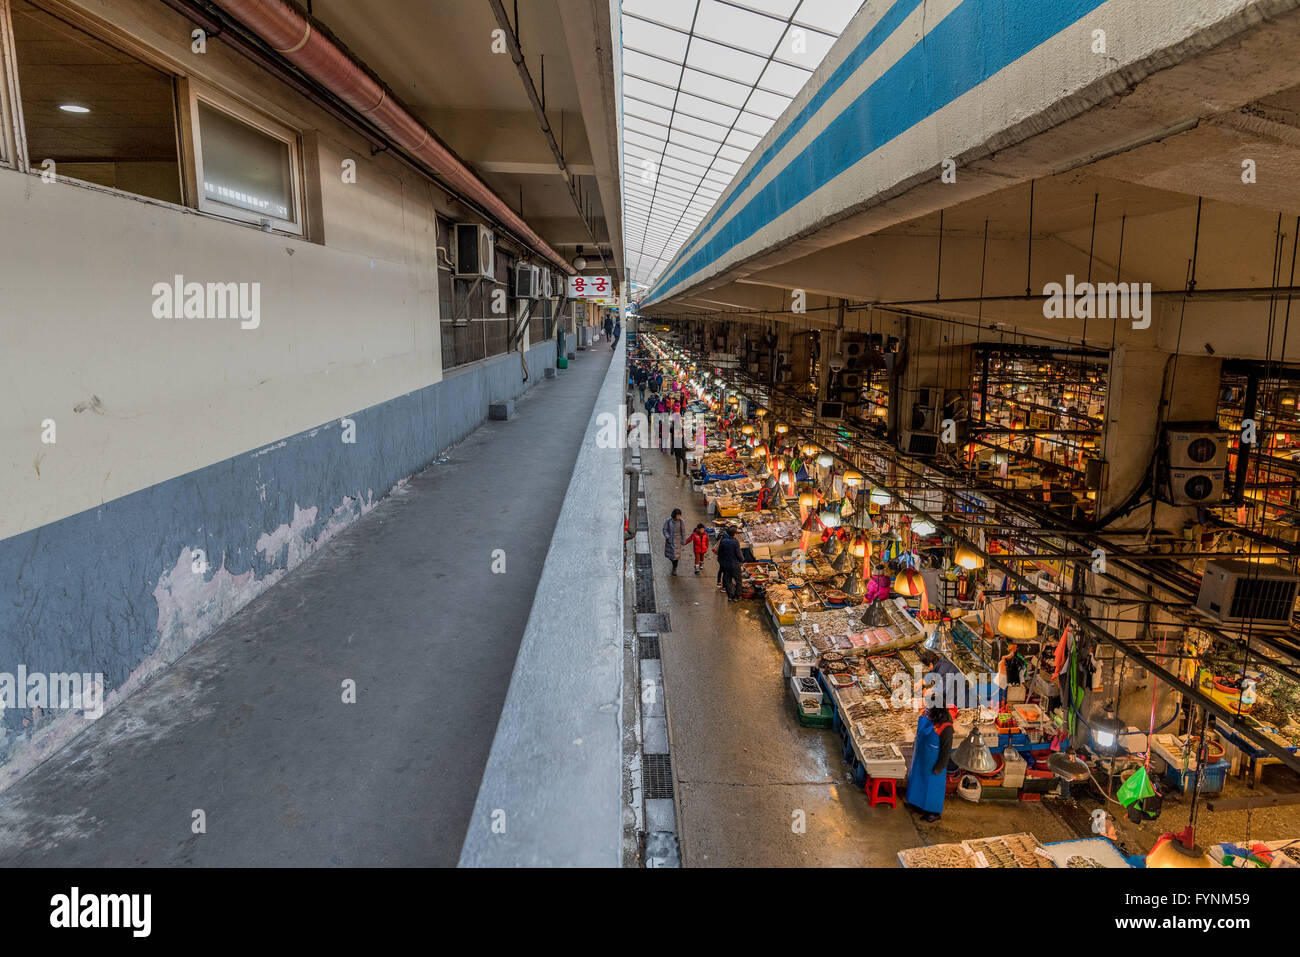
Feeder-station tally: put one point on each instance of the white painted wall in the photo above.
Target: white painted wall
(346, 322)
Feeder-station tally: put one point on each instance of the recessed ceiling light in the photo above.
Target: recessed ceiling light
(73, 108)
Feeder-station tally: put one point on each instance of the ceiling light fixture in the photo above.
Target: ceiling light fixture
(73, 108)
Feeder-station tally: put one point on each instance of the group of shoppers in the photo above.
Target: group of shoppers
(727, 550)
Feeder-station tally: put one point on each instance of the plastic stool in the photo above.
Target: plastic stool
(881, 791)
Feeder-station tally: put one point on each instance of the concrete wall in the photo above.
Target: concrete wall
(195, 462)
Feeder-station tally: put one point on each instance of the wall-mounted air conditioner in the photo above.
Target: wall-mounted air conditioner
(527, 282)
(1196, 447)
(1244, 591)
(1194, 486)
(476, 256)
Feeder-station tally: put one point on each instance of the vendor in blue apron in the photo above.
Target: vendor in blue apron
(927, 778)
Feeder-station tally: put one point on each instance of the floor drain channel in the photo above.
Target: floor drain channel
(649, 646)
(645, 585)
(656, 776)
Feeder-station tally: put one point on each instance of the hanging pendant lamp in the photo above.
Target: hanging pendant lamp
(909, 582)
(830, 516)
(1018, 622)
(974, 755)
(843, 562)
(967, 557)
(854, 586)
(880, 496)
(825, 460)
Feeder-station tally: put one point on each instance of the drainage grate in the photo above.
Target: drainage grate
(656, 776)
(642, 523)
(649, 646)
(653, 624)
(645, 585)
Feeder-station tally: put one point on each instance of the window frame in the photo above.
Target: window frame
(191, 92)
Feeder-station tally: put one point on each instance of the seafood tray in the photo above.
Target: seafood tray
(821, 643)
(808, 601)
(936, 855)
(808, 693)
(887, 668)
(1010, 850)
(883, 761)
(884, 725)
(771, 533)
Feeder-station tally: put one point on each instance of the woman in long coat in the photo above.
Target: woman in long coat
(674, 538)
(927, 778)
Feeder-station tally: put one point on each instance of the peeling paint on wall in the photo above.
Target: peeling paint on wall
(114, 590)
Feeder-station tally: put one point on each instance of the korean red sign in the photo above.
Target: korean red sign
(590, 287)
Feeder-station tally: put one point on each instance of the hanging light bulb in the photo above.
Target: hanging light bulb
(825, 460)
(782, 428)
(879, 496)
(747, 429)
(852, 478)
(859, 547)
(1018, 622)
(830, 517)
(760, 412)
(909, 582)
(967, 557)
(809, 450)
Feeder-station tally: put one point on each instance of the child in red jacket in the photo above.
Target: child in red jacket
(700, 542)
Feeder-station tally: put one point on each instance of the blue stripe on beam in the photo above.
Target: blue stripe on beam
(975, 42)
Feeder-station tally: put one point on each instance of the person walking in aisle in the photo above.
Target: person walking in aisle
(679, 449)
(729, 559)
(700, 544)
(609, 328)
(674, 538)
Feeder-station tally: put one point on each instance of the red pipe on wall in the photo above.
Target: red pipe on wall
(289, 34)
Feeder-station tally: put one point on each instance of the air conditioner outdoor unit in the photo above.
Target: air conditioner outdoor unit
(1244, 591)
(921, 444)
(475, 251)
(1196, 447)
(1194, 486)
(527, 281)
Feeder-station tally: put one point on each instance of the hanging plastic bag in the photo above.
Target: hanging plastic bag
(970, 788)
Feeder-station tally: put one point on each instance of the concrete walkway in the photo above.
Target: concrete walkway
(250, 727)
(743, 765)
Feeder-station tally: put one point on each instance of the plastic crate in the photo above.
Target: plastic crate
(1216, 775)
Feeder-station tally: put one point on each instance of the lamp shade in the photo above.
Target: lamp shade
(1106, 729)
(747, 429)
(852, 478)
(859, 547)
(825, 460)
(974, 755)
(923, 527)
(909, 582)
(809, 450)
(830, 517)
(843, 562)
(854, 586)
(1018, 622)
(782, 428)
(879, 496)
(967, 557)
(1177, 850)
(807, 499)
